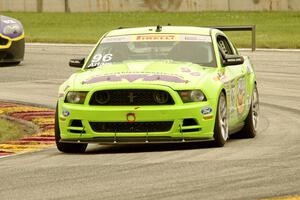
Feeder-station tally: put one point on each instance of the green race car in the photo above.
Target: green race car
(158, 85)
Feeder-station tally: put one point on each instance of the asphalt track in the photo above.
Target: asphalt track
(267, 166)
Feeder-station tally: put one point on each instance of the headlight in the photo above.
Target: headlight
(12, 29)
(192, 96)
(75, 97)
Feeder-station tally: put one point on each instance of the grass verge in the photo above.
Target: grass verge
(274, 29)
(10, 130)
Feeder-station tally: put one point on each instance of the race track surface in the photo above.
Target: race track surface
(266, 166)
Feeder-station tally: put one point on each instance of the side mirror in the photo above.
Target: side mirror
(76, 62)
(233, 60)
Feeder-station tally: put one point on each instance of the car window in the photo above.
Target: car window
(224, 45)
(181, 48)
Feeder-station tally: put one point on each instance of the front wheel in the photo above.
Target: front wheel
(66, 147)
(221, 123)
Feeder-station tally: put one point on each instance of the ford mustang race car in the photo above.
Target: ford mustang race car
(158, 84)
(12, 42)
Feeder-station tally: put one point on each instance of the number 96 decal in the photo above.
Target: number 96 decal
(100, 59)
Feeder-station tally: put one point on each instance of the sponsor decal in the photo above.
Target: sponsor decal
(195, 38)
(116, 39)
(156, 37)
(186, 69)
(189, 71)
(195, 74)
(136, 76)
(221, 77)
(240, 103)
(232, 100)
(206, 110)
(249, 66)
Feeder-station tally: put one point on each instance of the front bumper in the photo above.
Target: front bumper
(181, 122)
(178, 132)
(12, 51)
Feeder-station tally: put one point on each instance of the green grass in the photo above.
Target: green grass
(274, 29)
(11, 131)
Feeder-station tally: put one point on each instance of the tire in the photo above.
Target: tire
(66, 147)
(221, 123)
(251, 122)
(9, 64)
(15, 63)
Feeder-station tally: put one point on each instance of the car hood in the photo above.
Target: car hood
(177, 75)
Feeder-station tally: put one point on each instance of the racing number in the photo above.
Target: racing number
(98, 59)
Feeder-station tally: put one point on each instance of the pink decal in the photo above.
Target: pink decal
(167, 78)
(195, 73)
(97, 79)
(134, 77)
(185, 69)
(189, 71)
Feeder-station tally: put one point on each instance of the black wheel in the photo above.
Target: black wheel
(221, 123)
(251, 123)
(66, 147)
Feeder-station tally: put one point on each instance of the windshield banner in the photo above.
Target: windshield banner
(157, 37)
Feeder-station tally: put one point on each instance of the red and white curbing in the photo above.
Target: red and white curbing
(43, 118)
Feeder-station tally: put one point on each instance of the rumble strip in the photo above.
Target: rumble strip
(41, 118)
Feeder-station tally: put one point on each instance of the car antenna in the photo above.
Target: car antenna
(158, 28)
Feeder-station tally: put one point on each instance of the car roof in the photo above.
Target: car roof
(163, 30)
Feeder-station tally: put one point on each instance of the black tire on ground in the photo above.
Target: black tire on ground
(15, 63)
(250, 128)
(221, 123)
(9, 64)
(66, 147)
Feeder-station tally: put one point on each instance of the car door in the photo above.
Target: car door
(236, 85)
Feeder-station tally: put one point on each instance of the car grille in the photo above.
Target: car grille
(131, 97)
(128, 127)
(3, 41)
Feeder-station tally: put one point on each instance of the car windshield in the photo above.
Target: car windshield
(154, 47)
